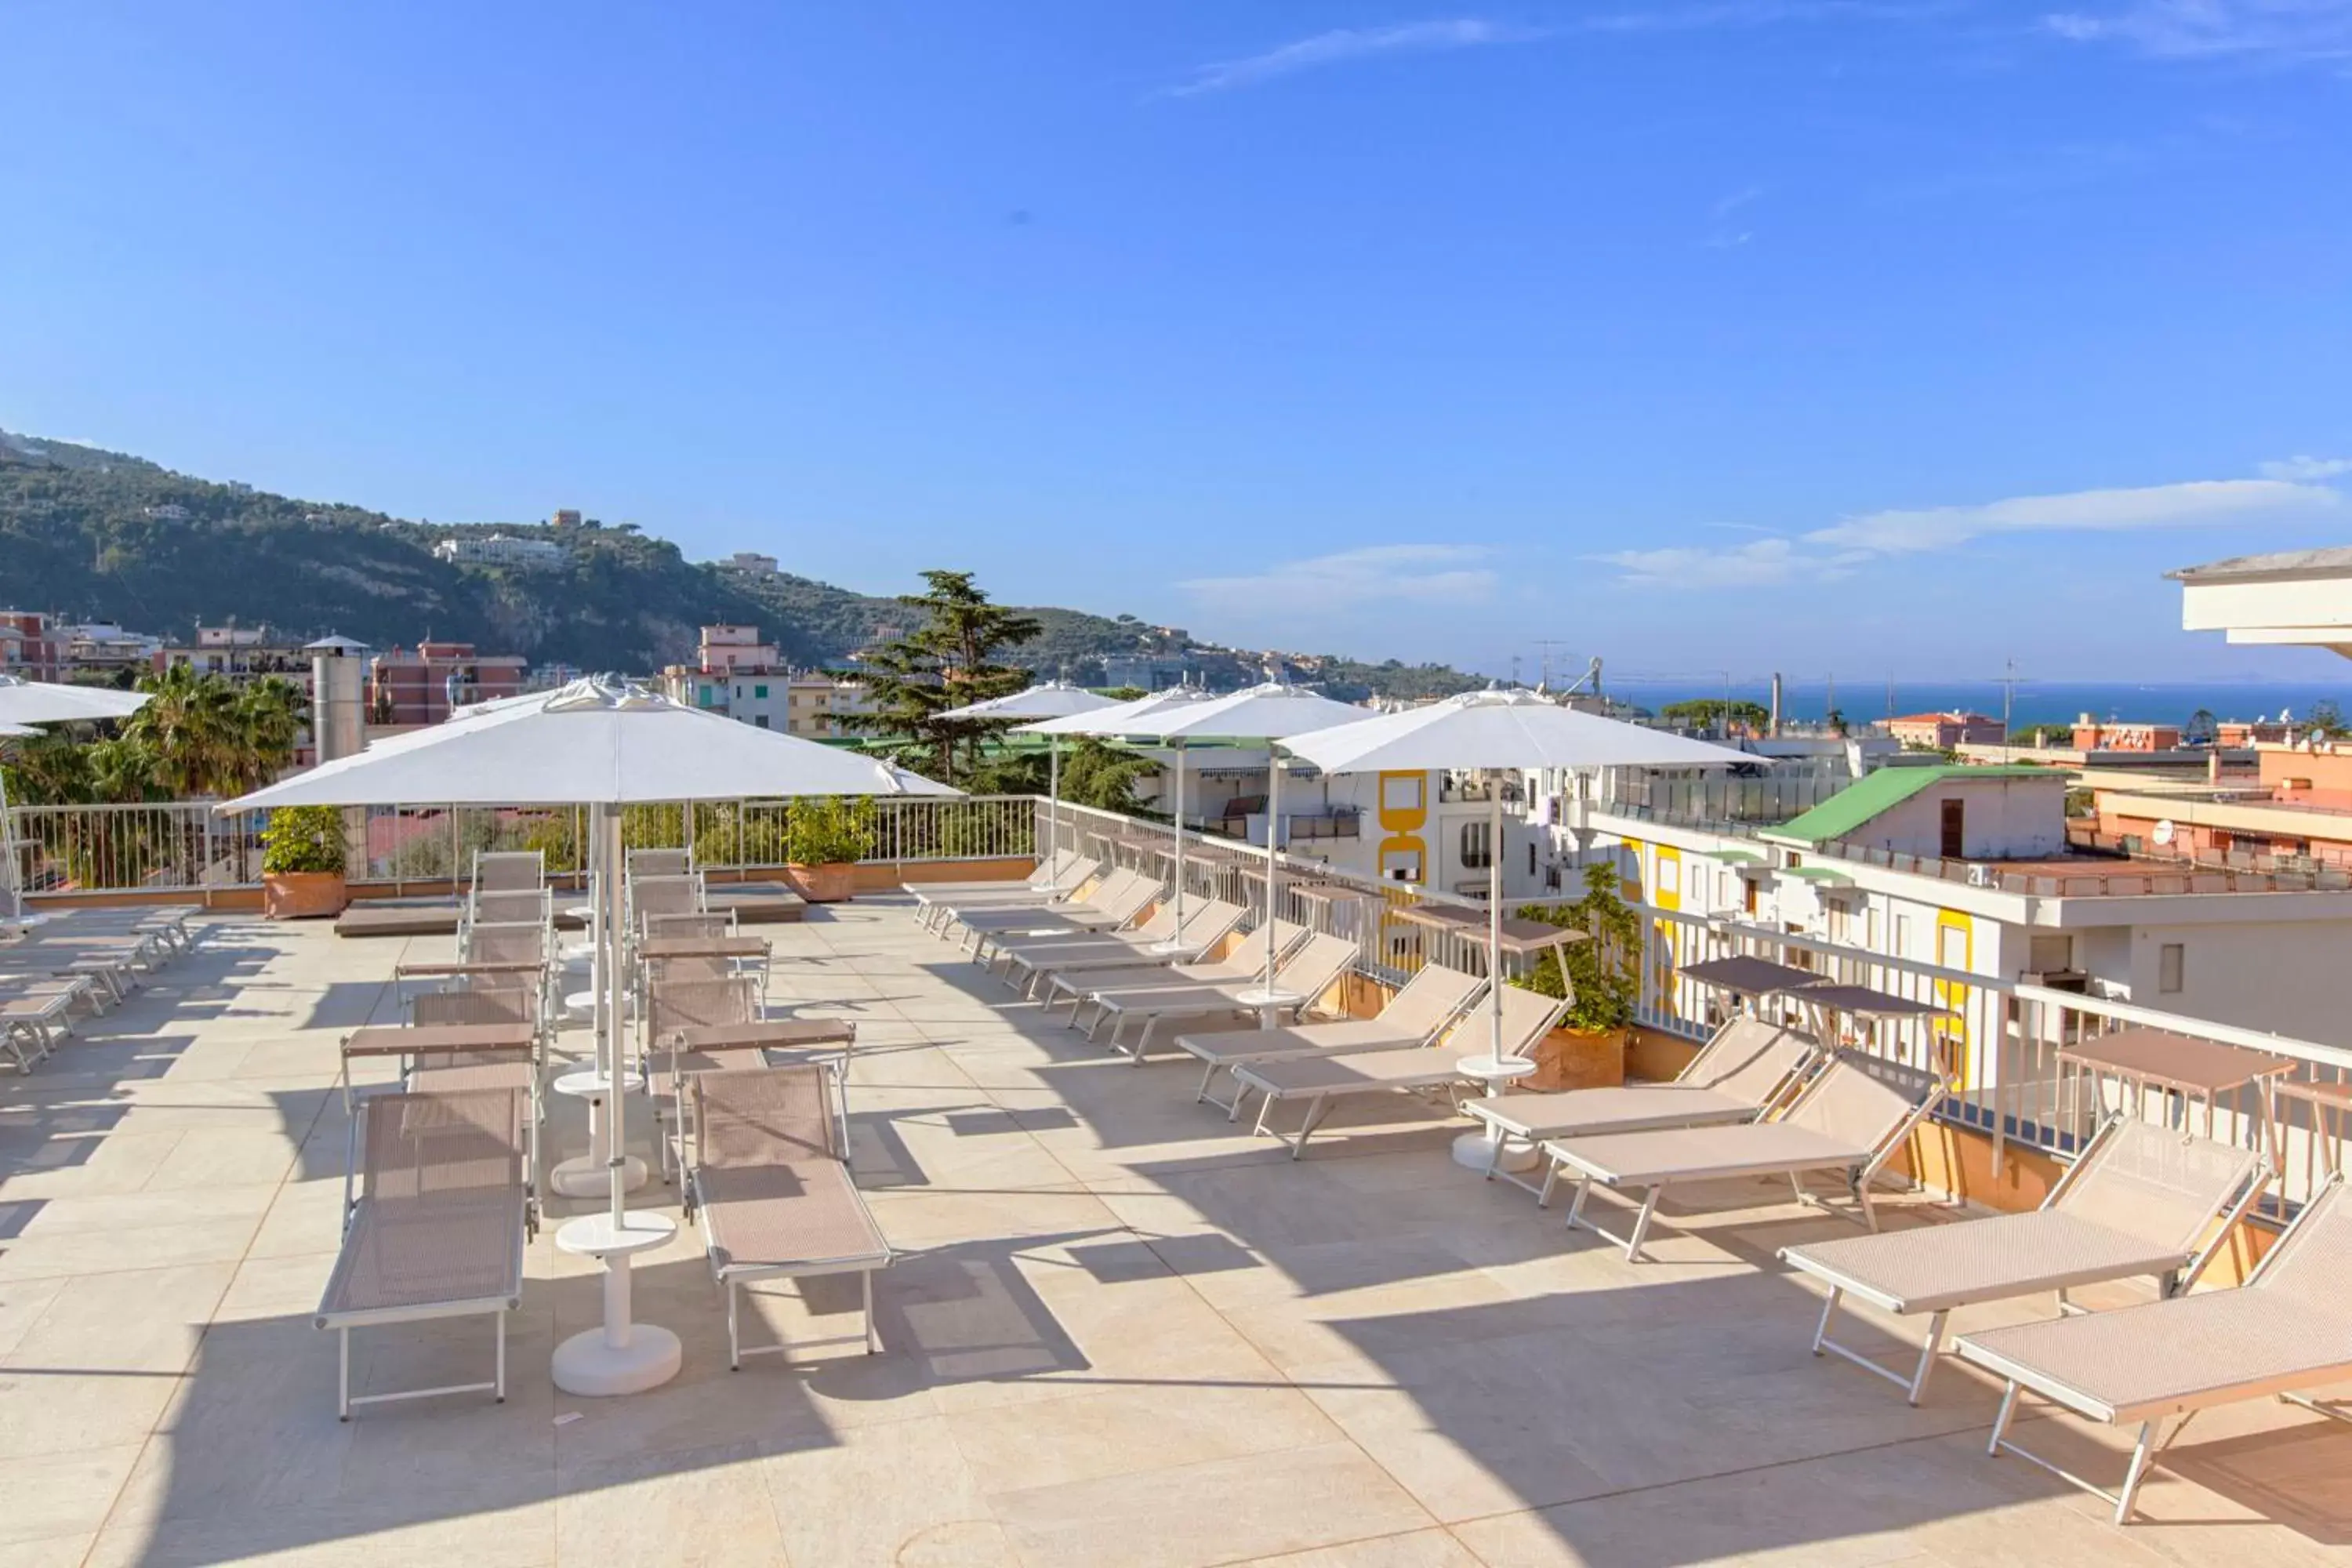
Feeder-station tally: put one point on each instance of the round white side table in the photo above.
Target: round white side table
(621, 1356)
(1478, 1150)
(584, 1175)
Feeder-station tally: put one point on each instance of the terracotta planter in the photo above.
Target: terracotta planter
(833, 883)
(1580, 1059)
(302, 895)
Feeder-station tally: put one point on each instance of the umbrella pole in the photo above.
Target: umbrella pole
(1052, 801)
(616, 1007)
(1495, 918)
(1180, 832)
(1273, 877)
(9, 849)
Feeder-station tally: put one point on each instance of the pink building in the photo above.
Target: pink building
(2089, 735)
(1942, 732)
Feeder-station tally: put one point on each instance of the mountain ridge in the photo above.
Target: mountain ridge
(100, 535)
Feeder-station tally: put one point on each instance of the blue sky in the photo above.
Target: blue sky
(1851, 335)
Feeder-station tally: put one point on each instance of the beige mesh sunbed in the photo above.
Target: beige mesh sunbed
(658, 863)
(1157, 941)
(2288, 1330)
(2142, 1200)
(1245, 962)
(36, 1014)
(1057, 879)
(1740, 1073)
(508, 870)
(1845, 1120)
(671, 1007)
(1426, 1004)
(1112, 902)
(770, 1184)
(1316, 966)
(1324, 1079)
(435, 1229)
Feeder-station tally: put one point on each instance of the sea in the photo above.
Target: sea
(2030, 702)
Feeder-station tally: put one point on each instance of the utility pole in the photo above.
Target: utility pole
(1547, 644)
(2008, 703)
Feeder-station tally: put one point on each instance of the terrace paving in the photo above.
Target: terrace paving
(1122, 1332)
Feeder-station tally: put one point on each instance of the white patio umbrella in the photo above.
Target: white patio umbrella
(604, 744)
(1140, 718)
(1266, 713)
(1054, 700)
(1499, 730)
(27, 702)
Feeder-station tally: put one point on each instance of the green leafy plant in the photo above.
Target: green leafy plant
(830, 832)
(1603, 977)
(303, 839)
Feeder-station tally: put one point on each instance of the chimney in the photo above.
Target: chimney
(1774, 730)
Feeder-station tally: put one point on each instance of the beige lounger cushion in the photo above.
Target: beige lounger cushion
(1303, 1039)
(1939, 1266)
(774, 1190)
(1709, 1153)
(2204, 1349)
(1629, 1107)
(441, 1213)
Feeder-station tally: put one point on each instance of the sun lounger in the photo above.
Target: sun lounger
(34, 1014)
(1059, 878)
(2142, 1200)
(436, 1229)
(676, 1004)
(1846, 1122)
(1324, 1078)
(2287, 1330)
(1158, 940)
(1432, 999)
(1741, 1073)
(1246, 959)
(1316, 966)
(1113, 902)
(770, 1186)
(529, 906)
(109, 976)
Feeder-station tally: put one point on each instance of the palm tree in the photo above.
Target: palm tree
(269, 715)
(209, 736)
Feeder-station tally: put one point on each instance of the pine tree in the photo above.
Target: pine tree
(949, 662)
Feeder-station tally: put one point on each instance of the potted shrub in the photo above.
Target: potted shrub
(1602, 978)
(302, 863)
(824, 842)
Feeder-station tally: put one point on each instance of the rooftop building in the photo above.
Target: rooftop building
(1944, 732)
(409, 686)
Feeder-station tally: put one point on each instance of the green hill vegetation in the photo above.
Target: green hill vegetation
(99, 535)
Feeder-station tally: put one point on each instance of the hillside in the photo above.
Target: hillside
(99, 535)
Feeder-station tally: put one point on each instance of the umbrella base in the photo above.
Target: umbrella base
(586, 1365)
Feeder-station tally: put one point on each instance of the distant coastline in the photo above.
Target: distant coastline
(2036, 701)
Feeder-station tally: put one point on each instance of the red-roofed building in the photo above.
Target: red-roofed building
(1942, 732)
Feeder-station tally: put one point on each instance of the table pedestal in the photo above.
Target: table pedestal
(620, 1356)
(1478, 1150)
(586, 1176)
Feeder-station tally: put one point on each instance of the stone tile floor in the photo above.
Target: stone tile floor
(1121, 1332)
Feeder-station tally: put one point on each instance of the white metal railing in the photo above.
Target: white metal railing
(186, 847)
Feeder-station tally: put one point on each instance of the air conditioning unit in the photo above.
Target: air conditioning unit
(1984, 876)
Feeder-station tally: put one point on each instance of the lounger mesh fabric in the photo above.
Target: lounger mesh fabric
(1525, 1014)
(686, 1003)
(1939, 1266)
(1245, 962)
(509, 908)
(768, 1135)
(660, 862)
(505, 945)
(1747, 1061)
(2156, 1357)
(664, 896)
(2158, 1184)
(1311, 970)
(1433, 996)
(441, 1190)
(505, 870)
(705, 924)
(1429, 999)
(1848, 1107)
(475, 1005)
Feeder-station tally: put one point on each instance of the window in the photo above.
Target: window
(1955, 834)
(762, 720)
(1476, 848)
(760, 692)
(2170, 961)
(1401, 794)
(1901, 936)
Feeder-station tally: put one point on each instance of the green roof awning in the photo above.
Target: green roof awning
(1874, 794)
(1820, 876)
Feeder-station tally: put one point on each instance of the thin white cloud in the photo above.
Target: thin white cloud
(1345, 44)
(1761, 564)
(1377, 573)
(2304, 471)
(1826, 554)
(2187, 505)
(2289, 30)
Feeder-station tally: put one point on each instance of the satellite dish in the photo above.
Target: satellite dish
(2164, 831)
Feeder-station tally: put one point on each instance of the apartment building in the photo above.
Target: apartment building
(738, 673)
(30, 645)
(408, 687)
(2094, 735)
(502, 549)
(1944, 732)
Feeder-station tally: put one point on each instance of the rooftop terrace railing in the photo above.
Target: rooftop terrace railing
(2088, 883)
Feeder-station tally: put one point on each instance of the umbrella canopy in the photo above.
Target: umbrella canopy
(1114, 720)
(1269, 712)
(16, 731)
(26, 701)
(593, 742)
(1499, 730)
(1502, 729)
(1054, 700)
